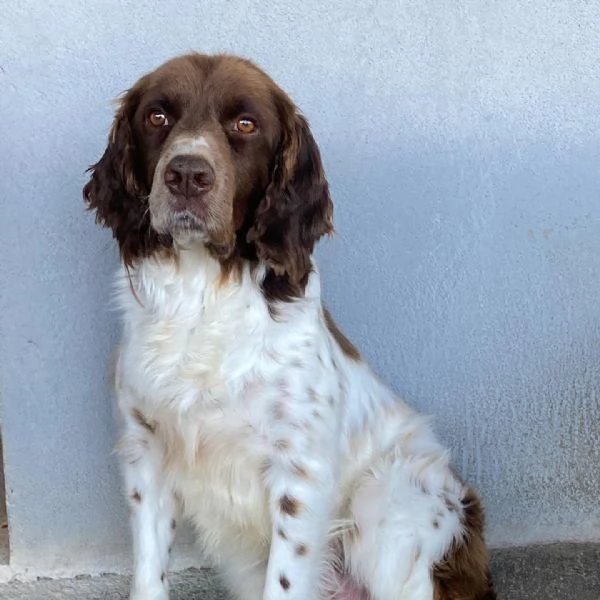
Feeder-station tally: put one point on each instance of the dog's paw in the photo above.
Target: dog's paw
(149, 593)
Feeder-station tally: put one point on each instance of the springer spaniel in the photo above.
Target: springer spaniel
(243, 407)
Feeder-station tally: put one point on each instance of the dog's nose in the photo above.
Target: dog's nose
(189, 176)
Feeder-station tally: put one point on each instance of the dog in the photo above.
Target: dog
(243, 407)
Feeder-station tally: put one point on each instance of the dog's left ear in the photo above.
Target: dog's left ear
(296, 210)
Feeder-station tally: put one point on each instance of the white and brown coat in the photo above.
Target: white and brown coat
(243, 407)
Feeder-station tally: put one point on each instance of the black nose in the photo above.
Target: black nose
(189, 176)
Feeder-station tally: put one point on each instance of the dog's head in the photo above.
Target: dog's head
(209, 150)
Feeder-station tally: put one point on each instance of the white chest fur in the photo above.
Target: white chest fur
(206, 362)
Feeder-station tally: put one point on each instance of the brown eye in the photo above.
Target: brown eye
(245, 125)
(157, 118)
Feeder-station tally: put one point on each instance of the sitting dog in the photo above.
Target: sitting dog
(243, 406)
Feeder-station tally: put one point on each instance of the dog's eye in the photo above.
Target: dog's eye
(245, 125)
(157, 118)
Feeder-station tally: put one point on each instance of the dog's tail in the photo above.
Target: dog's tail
(464, 573)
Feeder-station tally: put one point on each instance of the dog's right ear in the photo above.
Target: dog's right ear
(115, 193)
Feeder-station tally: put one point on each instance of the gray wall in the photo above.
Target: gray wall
(461, 140)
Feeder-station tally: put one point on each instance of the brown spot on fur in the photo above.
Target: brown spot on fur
(342, 341)
(141, 420)
(274, 311)
(284, 387)
(278, 411)
(436, 524)
(464, 574)
(450, 505)
(354, 532)
(232, 269)
(136, 496)
(265, 466)
(300, 471)
(301, 549)
(289, 506)
(284, 582)
(282, 445)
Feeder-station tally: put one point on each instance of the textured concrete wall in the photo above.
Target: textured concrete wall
(461, 140)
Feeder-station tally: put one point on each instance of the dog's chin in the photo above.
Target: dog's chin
(183, 227)
(186, 230)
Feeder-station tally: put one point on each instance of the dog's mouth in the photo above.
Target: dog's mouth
(184, 225)
(188, 227)
(186, 220)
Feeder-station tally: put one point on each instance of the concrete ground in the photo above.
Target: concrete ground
(554, 572)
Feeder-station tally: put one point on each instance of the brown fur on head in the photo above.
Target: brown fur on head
(116, 193)
(208, 150)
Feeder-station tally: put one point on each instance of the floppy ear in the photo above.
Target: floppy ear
(296, 210)
(116, 195)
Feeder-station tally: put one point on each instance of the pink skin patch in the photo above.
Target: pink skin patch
(350, 590)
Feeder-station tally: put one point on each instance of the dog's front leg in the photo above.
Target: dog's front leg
(153, 508)
(301, 480)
